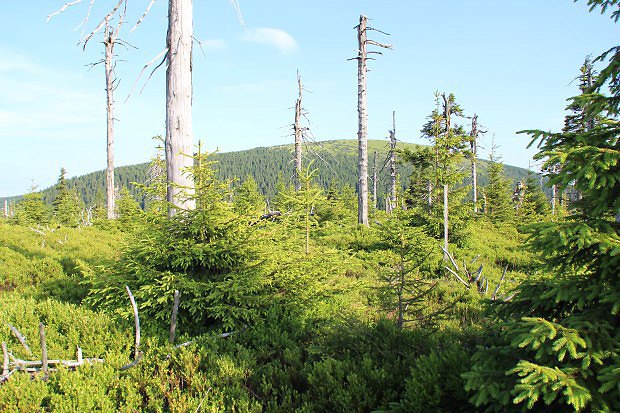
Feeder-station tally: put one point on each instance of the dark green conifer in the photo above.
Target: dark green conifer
(556, 345)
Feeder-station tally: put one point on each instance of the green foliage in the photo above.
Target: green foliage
(410, 256)
(66, 207)
(498, 192)
(247, 199)
(31, 210)
(555, 346)
(535, 206)
(207, 254)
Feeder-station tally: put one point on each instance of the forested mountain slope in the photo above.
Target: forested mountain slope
(335, 160)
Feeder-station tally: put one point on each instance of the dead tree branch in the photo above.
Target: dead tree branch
(63, 8)
(20, 337)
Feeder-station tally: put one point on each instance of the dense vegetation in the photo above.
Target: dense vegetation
(324, 315)
(336, 161)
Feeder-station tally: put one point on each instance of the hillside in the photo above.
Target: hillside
(336, 161)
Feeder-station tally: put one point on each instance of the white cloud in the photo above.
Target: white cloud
(277, 38)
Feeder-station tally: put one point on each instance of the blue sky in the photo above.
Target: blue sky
(511, 62)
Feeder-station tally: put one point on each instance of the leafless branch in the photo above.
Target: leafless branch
(385, 46)
(63, 8)
(499, 284)
(163, 53)
(44, 363)
(377, 30)
(458, 278)
(102, 23)
(143, 16)
(20, 337)
(237, 8)
(136, 320)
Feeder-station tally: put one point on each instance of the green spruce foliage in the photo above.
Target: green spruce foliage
(499, 206)
(31, 210)
(556, 345)
(66, 207)
(208, 254)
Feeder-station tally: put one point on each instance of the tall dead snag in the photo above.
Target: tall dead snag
(179, 139)
(447, 114)
(299, 133)
(362, 110)
(110, 40)
(473, 142)
(374, 180)
(393, 163)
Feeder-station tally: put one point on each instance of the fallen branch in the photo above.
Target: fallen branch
(44, 361)
(137, 322)
(134, 363)
(20, 337)
(5, 362)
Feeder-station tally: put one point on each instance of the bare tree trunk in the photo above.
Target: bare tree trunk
(447, 113)
(474, 154)
(374, 180)
(179, 144)
(445, 220)
(6, 208)
(362, 111)
(298, 134)
(362, 134)
(393, 162)
(109, 42)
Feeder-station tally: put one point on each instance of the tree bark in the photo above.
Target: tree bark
(474, 154)
(298, 134)
(374, 180)
(393, 163)
(109, 42)
(179, 138)
(362, 133)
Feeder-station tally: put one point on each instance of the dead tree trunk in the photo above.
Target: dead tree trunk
(374, 180)
(299, 134)
(179, 139)
(447, 114)
(362, 131)
(110, 37)
(474, 153)
(362, 110)
(393, 163)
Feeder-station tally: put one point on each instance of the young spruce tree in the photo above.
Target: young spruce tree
(556, 345)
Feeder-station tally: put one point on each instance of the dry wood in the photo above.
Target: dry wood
(20, 337)
(44, 361)
(499, 284)
(5, 360)
(134, 363)
(136, 321)
(110, 39)
(63, 8)
(25, 364)
(179, 136)
(173, 318)
(374, 180)
(362, 134)
(362, 111)
(393, 163)
(298, 130)
(474, 154)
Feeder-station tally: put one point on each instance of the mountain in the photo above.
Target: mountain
(336, 161)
